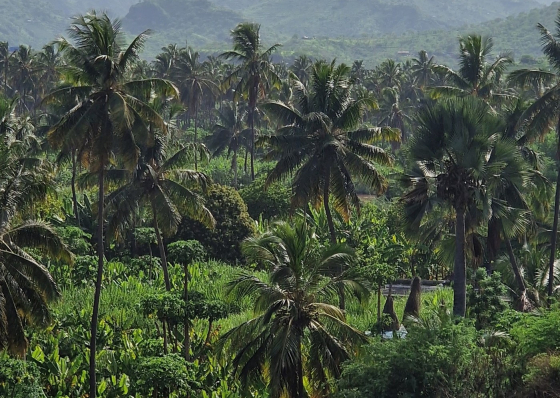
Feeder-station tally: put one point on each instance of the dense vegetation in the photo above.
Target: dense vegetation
(231, 226)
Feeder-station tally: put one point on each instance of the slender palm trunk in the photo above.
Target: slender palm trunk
(332, 233)
(253, 143)
(195, 135)
(460, 269)
(209, 334)
(97, 295)
(234, 166)
(554, 236)
(73, 184)
(299, 364)
(187, 342)
(162, 255)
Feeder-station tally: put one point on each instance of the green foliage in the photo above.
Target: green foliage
(537, 333)
(485, 299)
(76, 239)
(163, 375)
(185, 252)
(435, 359)
(18, 378)
(233, 224)
(270, 202)
(543, 375)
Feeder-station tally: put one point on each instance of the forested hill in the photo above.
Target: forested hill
(353, 18)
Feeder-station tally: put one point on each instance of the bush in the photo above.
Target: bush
(442, 361)
(484, 302)
(233, 225)
(269, 203)
(163, 375)
(543, 376)
(185, 252)
(537, 333)
(18, 378)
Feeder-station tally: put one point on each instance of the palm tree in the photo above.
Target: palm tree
(475, 75)
(193, 82)
(423, 69)
(543, 114)
(322, 145)
(230, 133)
(26, 287)
(255, 73)
(166, 188)
(296, 332)
(459, 160)
(109, 117)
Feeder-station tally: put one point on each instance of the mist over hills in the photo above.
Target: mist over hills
(345, 29)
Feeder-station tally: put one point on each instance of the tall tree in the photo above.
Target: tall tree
(544, 115)
(26, 287)
(322, 145)
(230, 133)
(193, 82)
(459, 158)
(475, 75)
(109, 118)
(255, 73)
(297, 331)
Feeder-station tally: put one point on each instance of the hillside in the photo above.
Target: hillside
(354, 18)
(175, 21)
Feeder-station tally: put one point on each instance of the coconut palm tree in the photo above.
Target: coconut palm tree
(459, 159)
(231, 134)
(297, 332)
(167, 189)
(109, 117)
(26, 287)
(475, 75)
(422, 69)
(193, 82)
(543, 115)
(255, 73)
(322, 145)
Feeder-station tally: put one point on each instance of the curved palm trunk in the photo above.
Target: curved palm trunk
(518, 277)
(332, 233)
(459, 268)
(97, 295)
(162, 255)
(554, 236)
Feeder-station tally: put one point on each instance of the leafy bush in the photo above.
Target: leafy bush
(537, 333)
(432, 361)
(543, 375)
(269, 203)
(233, 225)
(185, 252)
(77, 240)
(18, 378)
(484, 301)
(163, 375)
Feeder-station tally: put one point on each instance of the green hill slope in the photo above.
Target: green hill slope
(354, 18)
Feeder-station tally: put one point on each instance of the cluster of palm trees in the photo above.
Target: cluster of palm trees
(474, 182)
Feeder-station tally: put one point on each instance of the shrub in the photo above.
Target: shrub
(484, 302)
(543, 376)
(185, 252)
(18, 378)
(233, 225)
(442, 361)
(269, 203)
(161, 376)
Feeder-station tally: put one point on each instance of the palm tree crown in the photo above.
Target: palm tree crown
(321, 144)
(296, 324)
